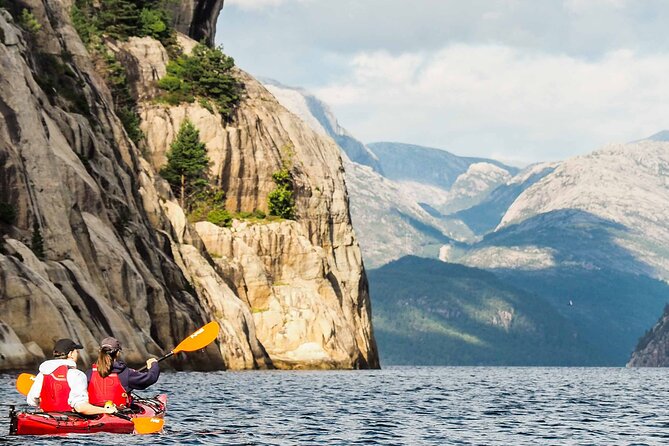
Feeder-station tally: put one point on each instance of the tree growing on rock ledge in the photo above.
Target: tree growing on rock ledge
(187, 163)
(281, 201)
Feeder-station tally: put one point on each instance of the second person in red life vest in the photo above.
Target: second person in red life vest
(110, 379)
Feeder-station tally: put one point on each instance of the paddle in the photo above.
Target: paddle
(144, 425)
(199, 339)
(24, 382)
(148, 425)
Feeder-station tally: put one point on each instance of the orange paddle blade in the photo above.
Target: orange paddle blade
(24, 382)
(200, 339)
(148, 425)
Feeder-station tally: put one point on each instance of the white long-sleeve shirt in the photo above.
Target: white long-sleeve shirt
(76, 379)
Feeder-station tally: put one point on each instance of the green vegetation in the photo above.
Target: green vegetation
(56, 76)
(610, 308)
(125, 104)
(187, 163)
(120, 19)
(37, 241)
(219, 217)
(186, 171)
(281, 201)
(206, 73)
(428, 312)
(208, 204)
(7, 213)
(29, 22)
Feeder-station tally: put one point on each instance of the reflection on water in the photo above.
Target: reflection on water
(401, 406)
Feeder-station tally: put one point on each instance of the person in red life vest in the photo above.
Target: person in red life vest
(59, 386)
(110, 379)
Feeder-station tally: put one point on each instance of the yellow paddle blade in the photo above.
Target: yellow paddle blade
(148, 425)
(24, 382)
(200, 339)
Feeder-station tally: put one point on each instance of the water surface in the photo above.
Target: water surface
(401, 406)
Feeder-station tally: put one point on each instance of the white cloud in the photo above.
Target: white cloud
(258, 4)
(588, 6)
(465, 97)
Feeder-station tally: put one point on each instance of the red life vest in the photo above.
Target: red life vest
(109, 388)
(55, 391)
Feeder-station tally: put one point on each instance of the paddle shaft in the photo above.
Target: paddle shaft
(162, 358)
(199, 339)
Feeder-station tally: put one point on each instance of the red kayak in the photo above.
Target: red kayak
(53, 423)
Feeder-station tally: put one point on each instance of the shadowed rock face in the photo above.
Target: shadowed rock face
(119, 258)
(197, 18)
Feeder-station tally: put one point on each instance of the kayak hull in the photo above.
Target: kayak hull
(55, 423)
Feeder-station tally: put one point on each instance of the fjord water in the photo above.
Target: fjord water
(402, 406)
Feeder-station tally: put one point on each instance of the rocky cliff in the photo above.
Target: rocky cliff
(94, 243)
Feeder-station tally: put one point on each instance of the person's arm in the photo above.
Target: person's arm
(35, 390)
(86, 408)
(142, 380)
(78, 398)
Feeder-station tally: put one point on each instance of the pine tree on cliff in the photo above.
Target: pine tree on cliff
(119, 18)
(187, 162)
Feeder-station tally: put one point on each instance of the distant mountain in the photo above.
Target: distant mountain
(487, 214)
(389, 224)
(426, 165)
(624, 185)
(321, 119)
(659, 136)
(389, 218)
(594, 231)
(434, 313)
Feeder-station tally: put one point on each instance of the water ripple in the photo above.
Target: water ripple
(402, 406)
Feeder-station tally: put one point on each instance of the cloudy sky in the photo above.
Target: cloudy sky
(524, 80)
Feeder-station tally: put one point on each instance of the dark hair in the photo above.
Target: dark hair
(105, 361)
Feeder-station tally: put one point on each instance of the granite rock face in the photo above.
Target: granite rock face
(93, 243)
(70, 177)
(303, 280)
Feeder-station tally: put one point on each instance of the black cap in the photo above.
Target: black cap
(65, 346)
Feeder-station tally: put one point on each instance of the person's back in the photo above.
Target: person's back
(110, 379)
(54, 394)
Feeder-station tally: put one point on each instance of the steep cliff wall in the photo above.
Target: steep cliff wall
(119, 257)
(71, 176)
(653, 348)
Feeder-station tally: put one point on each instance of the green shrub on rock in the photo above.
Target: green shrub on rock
(205, 73)
(29, 22)
(281, 202)
(220, 217)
